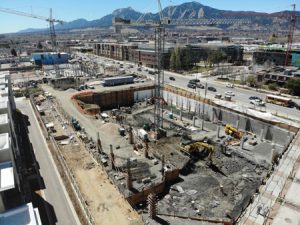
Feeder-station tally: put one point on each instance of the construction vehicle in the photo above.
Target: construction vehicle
(232, 131)
(194, 148)
(76, 124)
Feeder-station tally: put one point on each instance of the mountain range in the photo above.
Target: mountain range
(189, 10)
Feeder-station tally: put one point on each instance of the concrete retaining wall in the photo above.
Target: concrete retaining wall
(268, 131)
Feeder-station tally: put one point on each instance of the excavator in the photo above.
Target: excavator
(192, 148)
(232, 131)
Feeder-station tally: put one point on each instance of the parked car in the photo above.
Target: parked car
(212, 89)
(229, 85)
(257, 102)
(230, 93)
(190, 85)
(218, 96)
(255, 97)
(194, 81)
(200, 86)
(172, 78)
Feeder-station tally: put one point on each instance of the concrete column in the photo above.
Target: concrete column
(262, 134)
(237, 123)
(146, 150)
(163, 166)
(218, 131)
(129, 177)
(130, 136)
(99, 145)
(242, 143)
(112, 158)
(194, 121)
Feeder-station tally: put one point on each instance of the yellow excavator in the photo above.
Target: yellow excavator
(192, 148)
(232, 131)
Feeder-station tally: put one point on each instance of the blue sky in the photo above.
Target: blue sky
(94, 9)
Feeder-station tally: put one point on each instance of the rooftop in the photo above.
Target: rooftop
(4, 142)
(6, 177)
(23, 215)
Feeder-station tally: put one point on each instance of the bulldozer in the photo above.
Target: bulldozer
(232, 131)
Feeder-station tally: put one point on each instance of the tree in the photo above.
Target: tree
(215, 57)
(172, 60)
(251, 80)
(13, 52)
(177, 59)
(293, 84)
(39, 45)
(273, 86)
(186, 58)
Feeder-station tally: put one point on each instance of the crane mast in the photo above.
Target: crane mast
(291, 35)
(159, 78)
(159, 51)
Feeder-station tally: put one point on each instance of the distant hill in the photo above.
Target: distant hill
(189, 10)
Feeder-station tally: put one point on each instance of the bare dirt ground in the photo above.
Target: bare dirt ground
(104, 201)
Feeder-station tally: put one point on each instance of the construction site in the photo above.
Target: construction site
(206, 164)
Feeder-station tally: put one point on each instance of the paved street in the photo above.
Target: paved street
(241, 95)
(54, 192)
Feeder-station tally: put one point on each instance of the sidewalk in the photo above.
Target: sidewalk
(278, 200)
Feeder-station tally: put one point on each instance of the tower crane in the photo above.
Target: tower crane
(292, 17)
(51, 21)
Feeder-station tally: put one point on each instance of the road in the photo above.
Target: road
(54, 192)
(241, 95)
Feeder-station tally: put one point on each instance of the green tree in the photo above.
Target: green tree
(13, 52)
(172, 60)
(251, 80)
(186, 58)
(273, 86)
(39, 45)
(177, 59)
(293, 84)
(215, 57)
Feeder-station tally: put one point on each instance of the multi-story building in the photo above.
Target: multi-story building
(50, 58)
(15, 206)
(278, 74)
(119, 51)
(147, 57)
(144, 53)
(200, 52)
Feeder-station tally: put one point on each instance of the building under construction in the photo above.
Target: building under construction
(208, 164)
